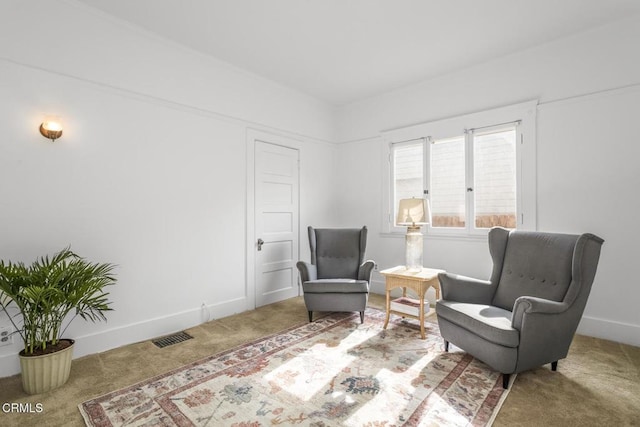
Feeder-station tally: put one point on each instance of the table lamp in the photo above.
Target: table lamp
(413, 213)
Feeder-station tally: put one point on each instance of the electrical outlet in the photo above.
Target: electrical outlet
(5, 335)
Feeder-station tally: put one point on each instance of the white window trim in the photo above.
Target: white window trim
(524, 113)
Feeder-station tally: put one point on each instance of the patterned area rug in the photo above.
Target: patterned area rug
(333, 372)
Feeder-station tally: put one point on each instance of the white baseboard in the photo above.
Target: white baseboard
(136, 332)
(610, 330)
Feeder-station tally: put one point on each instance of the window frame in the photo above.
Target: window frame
(522, 115)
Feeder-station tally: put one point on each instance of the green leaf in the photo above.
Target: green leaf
(51, 288)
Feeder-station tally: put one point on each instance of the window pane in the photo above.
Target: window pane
(447, 187)
(408, 169)
(495, 179)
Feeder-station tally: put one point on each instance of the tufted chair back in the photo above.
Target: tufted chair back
(338, 253)
(535, 264)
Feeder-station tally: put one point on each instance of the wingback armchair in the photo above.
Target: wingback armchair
(527, 313)
(337, 279)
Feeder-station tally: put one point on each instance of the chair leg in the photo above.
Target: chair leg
(310, 316)
(362, 317)
(554, 366)
(505, 381)
(446, 346)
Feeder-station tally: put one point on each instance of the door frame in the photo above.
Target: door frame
(254, 135)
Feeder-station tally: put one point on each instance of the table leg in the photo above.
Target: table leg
(422, 314)
(386, 322)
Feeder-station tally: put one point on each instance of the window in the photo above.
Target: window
(446, 184)
(475, 173)
(408, 169)
(494, 173)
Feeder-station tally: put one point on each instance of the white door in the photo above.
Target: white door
(276, 222)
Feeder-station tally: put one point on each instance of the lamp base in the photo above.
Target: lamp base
(413, 250)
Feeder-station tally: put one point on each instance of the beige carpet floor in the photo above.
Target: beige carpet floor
(598, 384)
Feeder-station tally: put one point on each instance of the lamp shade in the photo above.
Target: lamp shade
(413, 211)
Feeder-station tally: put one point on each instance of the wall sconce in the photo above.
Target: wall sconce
(51, 129)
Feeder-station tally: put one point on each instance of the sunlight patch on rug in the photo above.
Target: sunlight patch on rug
(332, 372)
(320, 363)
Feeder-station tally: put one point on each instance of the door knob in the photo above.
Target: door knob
(260, 243)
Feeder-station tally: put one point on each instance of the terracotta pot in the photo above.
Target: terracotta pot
(41, 374)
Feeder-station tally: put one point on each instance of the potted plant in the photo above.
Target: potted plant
(38, 298)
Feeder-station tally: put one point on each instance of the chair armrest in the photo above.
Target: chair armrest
(365, 270)
(465, 289)
(546, 330)
(307, 271)
(527, 305)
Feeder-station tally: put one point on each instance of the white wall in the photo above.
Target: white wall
(72, 39)
(150, 173)
(586, 159)
(588, 181)
(603, 58)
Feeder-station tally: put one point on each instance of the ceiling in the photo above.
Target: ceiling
(341, 51)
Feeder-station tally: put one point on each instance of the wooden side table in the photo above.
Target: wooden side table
(418, 281)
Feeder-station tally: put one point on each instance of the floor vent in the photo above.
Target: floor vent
(171, 339)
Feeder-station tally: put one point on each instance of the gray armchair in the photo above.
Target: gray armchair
(337, 279)
(526, 314)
